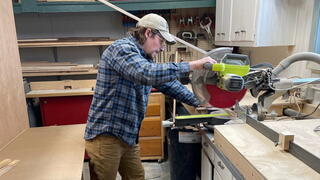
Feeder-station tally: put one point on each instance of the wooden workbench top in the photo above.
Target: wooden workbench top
(256, 157)
(46, 153)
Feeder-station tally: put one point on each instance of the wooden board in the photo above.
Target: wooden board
(64, 44)
(62, 85)
(90, 71)
(57, 93)
(13, 114)
(302, 130)
(47, 153)
(256, 157)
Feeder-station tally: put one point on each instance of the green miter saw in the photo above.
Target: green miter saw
(221, 85)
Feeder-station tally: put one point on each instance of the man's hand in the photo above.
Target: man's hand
(198, 64)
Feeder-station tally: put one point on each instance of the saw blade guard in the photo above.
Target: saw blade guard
(198, 77)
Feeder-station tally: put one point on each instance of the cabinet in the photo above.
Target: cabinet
(223, 20)
(212, 165)
(256, 22)
(151, 131)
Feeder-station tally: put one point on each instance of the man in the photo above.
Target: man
(126, 75)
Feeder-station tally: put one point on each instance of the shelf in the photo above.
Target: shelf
(93, 71)
(63, 44)
(128, 5)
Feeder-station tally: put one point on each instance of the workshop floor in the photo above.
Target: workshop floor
(155, 171)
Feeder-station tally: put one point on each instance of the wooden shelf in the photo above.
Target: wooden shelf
(94, 71)
(63, 44)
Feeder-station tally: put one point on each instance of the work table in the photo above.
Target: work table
(238, 151)
(46, 153)
(246, 154)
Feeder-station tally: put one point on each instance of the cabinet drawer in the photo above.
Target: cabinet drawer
(153, 110)
(156, 98)
(208, 149)
(150, 146)
(222, 169)
(151, 126)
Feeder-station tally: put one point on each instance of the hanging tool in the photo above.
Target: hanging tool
(205, 23)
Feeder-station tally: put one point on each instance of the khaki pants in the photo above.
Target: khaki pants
(108, 155)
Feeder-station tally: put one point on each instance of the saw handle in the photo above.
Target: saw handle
(207, 66)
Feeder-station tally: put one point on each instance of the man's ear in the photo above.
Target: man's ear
(148, 33)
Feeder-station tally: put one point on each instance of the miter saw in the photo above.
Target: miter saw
(224, 84)
(225, 88)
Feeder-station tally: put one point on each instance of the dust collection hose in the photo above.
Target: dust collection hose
(304, 56)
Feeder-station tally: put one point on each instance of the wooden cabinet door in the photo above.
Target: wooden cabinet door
(223, 19)
(248, 20)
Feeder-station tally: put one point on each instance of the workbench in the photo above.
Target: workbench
(256, 157)
(238, 151)
(46, 153)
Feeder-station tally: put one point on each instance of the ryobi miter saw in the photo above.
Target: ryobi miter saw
(224, 84)
(221, 85)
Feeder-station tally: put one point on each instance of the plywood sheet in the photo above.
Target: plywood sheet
(47, 153)
(13, 114)
(256, 157)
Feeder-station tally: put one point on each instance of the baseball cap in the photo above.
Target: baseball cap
(157, 22)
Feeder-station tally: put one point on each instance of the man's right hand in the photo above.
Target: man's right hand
(198, 64)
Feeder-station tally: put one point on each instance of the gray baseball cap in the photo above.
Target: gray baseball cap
(157, 22)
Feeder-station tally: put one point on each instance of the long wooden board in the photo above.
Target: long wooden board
(13, 111)
(62, 85)
(256, 157)
(64, 44)
(47, 153)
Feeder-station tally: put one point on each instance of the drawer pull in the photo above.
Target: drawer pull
(205, 144)
(220, 165)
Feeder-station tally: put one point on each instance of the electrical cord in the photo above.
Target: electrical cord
(304, 116)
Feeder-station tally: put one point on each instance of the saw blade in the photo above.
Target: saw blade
(223, 99)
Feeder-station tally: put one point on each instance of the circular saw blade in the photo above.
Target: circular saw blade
(209, 93)
(223, 99)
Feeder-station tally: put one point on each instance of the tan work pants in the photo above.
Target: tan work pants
(108, 155)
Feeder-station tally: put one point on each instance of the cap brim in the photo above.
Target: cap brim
(168, 37)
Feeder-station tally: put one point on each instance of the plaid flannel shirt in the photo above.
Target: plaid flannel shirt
(125, 78)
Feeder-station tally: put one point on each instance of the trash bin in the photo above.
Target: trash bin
(184, 155)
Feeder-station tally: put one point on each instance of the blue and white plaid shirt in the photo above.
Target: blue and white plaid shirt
(124, 81)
